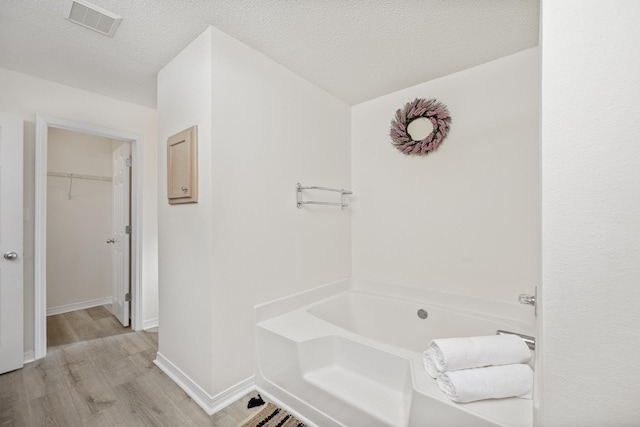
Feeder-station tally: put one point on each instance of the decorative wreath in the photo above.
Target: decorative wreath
(431, 109)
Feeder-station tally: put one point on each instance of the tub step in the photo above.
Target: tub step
(383, 403)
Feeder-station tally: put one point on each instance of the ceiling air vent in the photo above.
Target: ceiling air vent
(91, 16)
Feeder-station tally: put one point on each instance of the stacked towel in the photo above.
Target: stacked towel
(475, 368)
(452, 354)
(491, 382)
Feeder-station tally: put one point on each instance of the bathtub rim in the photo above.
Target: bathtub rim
(477, 305)
(312, 308)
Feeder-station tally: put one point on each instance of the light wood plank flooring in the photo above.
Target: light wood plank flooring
(108, 380)
(83, 325)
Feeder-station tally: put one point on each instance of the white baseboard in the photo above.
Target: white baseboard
(29, 356)
(150, 323)
(210, 404)
(78, 306)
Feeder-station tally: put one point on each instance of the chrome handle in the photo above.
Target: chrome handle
(111, 240)
(184, 188)
(10, 256)
(527, 299)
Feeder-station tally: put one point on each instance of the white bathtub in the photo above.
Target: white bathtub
(350, 354)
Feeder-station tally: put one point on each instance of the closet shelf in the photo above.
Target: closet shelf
(79, 176)
(73, 176)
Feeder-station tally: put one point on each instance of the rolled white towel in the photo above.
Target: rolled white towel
(492, 382)
(452, 354)
(429, 364)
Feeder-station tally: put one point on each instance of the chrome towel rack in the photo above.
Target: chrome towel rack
(342, 203)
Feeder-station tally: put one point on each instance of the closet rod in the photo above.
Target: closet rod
(79, 176)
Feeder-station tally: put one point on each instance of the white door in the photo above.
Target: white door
(120, 239)
(11, 149)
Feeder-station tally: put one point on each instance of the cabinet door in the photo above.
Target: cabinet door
(182, 167)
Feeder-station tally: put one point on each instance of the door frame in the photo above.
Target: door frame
(43, 123)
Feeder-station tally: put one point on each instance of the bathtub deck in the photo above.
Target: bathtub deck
(383, 403)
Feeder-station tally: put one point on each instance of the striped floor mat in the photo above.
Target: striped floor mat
(272, 416)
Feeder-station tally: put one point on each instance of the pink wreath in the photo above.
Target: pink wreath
(431, 109)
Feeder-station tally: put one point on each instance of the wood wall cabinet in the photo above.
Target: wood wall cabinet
(182, 167)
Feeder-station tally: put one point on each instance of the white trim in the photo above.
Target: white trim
(42, 126)
(150, 323)
(40, 241)
(78, 306)
(233, 393)
(136, 235)
(210, 404)
(29, 356)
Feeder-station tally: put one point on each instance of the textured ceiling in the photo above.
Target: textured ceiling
(355, 49)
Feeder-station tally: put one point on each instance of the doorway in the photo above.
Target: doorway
(74, 185)
(87, 257)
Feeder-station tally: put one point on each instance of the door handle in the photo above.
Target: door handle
(112, 240)
(10, 256)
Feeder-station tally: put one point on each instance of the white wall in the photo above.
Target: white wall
(466, 218)
(26, 96)
(185, 231)
(591, 213)
(271, 129)
(262, 129)
(78, 259)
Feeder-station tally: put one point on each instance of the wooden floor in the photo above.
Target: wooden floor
(83, 325)
(93, 377)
